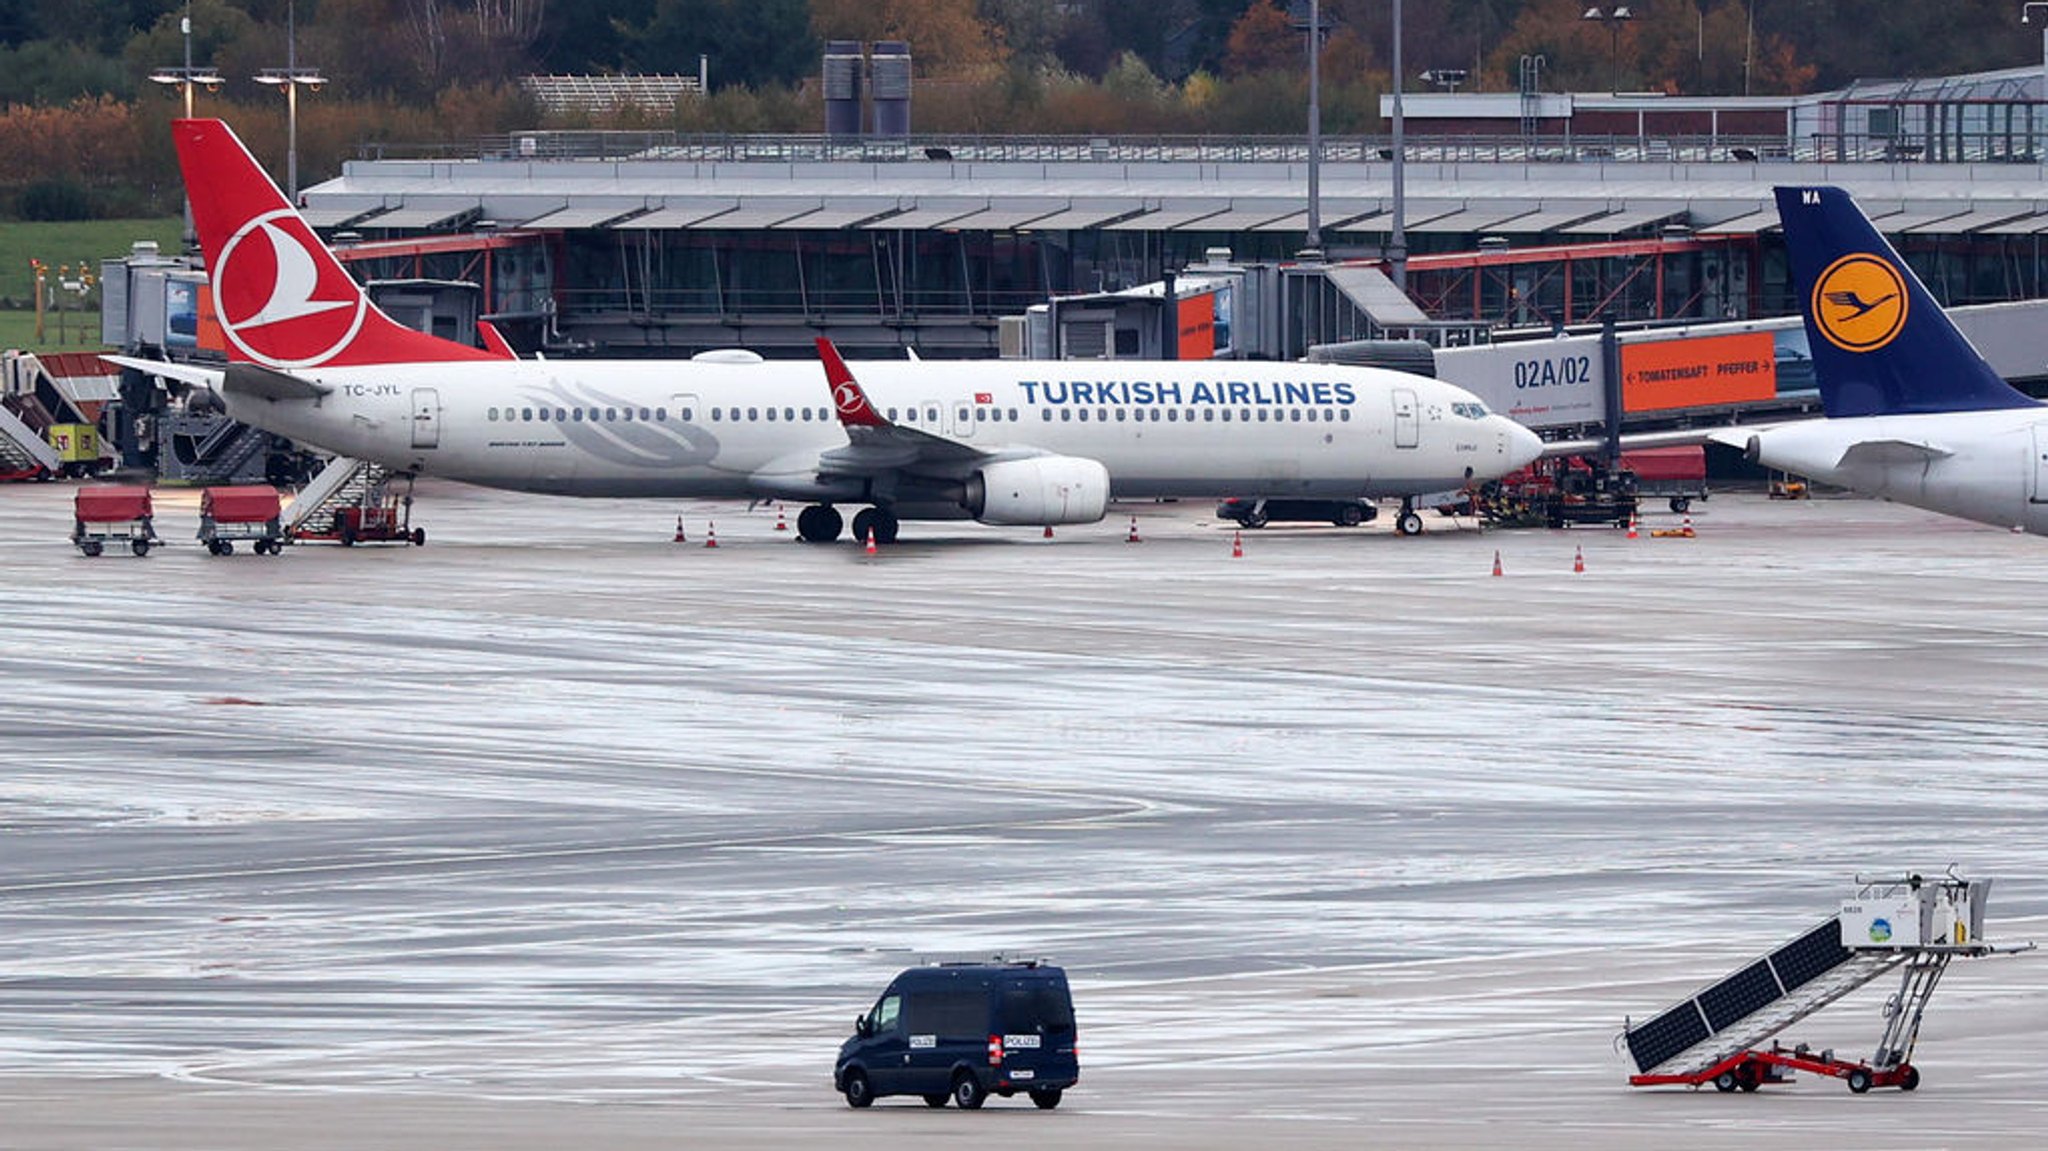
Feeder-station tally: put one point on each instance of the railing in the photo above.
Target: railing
(672, 303)
(1644, 148)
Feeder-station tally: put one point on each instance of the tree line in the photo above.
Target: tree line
(88, 132)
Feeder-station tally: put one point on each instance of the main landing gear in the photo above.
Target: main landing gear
(821, 524)
(1409, 524)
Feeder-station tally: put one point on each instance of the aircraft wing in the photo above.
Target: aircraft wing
(876, 444)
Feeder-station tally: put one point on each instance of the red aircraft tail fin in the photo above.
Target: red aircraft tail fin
(282, 298)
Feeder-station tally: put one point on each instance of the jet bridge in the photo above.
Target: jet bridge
(1911, 926)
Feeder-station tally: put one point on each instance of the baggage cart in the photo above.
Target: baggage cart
(109, 513)
(243, 512)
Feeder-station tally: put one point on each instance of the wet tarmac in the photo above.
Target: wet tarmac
(558, 831)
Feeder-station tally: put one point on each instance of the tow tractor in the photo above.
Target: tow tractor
(1911, 925)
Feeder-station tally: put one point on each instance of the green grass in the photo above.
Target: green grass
(18, 330)
(57, 245)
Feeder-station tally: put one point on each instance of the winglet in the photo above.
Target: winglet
(494, 340)
(847, 397)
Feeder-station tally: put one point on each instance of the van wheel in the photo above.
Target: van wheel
(856, 1089)
(968, 1092)
(1680, 504)
(1046, 1098)
(936, 1101)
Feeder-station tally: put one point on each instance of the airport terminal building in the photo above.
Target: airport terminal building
(1519, 212)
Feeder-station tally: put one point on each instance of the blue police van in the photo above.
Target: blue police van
(963, 1031)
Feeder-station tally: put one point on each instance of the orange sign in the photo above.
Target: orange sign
(1698, 373)
(1196, 316)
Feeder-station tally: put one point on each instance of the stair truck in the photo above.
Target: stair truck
(1911, 925)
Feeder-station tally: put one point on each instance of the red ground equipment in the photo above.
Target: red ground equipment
(249, 512)
(110, 512)
(1678, 474)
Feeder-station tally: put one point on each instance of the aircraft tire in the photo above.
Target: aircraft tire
(886, 526)
(1409, 524)
(819, 524)
(863, 525)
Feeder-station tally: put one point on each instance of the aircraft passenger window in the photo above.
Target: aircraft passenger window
(1120, 417)
(771, 413)
(1262, 415)
(807, 414)
(1172, 415)
(753, 413)
(1226, 415)
(963, 416)
(596, 414)
(909, 415)
(492, 415)
(1295, 415)
(788, 414)
(561, 416)
(611, 415)
(627, 415)
(1013, 415)
(1244, 415)
(526, 414)
(544, 416)
(1066, 414)
(1345, 415)
(1208, 415)
(981, 415)
(1084, 415)
(1047, 413)
(931, 415)
(716, 414)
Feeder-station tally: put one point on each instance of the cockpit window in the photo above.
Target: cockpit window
(1470, 411)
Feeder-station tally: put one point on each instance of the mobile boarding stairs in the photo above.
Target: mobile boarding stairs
(1910, 926)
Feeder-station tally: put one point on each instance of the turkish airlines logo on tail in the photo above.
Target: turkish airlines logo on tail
(279, 303)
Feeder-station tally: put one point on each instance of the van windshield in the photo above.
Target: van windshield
(1040, 1006)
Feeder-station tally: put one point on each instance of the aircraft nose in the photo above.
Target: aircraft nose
(1524, 446)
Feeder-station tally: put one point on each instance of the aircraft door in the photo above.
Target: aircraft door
(1407, 424)
(963, 419)
(2038, 492)
(685, 408)
(426, 418)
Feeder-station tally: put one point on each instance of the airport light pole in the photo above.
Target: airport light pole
(187, 78)
(2040, 106)
(1312, 247)
(1614, 16)
(291, 78)
(1397, 243)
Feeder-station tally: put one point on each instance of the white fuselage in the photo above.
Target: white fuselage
(757, 430)
(1989, 466)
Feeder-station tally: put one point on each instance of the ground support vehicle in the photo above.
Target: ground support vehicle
(1911, 925)
(961, 1032)
(1677, 475)
(1257, 512)
(104, 514)
(353, 502)
(245, 512)
(1559, 493)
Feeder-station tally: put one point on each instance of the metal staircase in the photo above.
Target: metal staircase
(344, 482)
(1760, 1000)
(22, 448)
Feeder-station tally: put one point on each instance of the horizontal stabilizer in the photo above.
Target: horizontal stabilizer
(1891, 453)
(270, 384)
(195, 374)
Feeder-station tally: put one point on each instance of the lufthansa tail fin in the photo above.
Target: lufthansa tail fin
(1881, 345)
(283, 300)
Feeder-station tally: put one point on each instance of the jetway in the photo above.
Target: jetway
(1912, 926)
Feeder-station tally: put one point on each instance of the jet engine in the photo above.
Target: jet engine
(1042, 490)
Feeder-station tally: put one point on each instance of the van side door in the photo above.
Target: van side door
(948, 1027)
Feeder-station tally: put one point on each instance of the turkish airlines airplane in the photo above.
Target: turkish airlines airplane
(1002, 442)
(1915, 415)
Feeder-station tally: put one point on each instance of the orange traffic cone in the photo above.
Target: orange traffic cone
(1048, 531)
(781, 523)
(1685, 527)
(1632, 525)
(710, 534)
(1237, 545)
(680, 537)
(1578, 561)
(871, 543)
(1133, 537)
(1496, 561)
